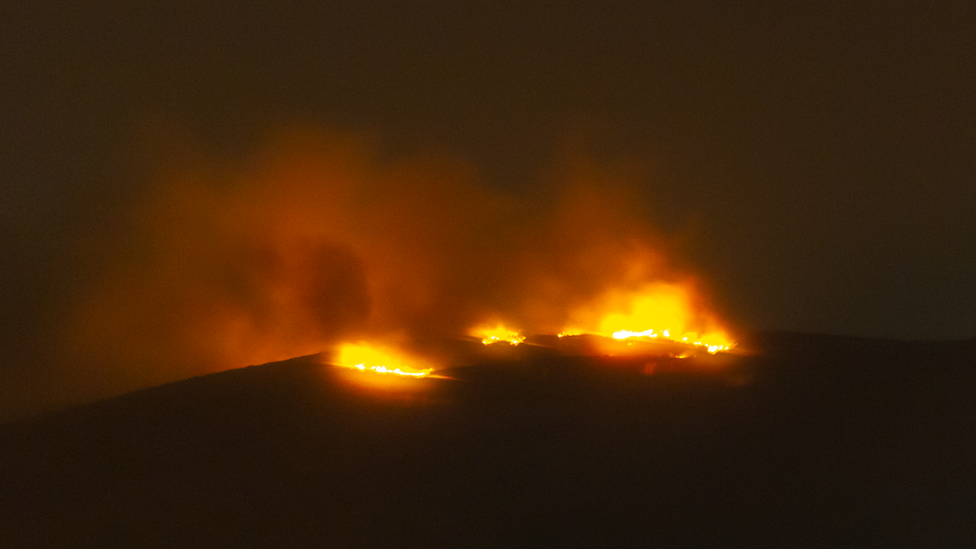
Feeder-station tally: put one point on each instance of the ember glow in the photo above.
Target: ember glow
(498, 334)
(367, 358)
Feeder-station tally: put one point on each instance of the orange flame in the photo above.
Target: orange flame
(368, 358)
(497, 334)
(659, 311)
(315, 240)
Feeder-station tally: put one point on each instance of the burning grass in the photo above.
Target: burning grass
(498, 334)
(655, 312)
(315, 241)
(380, 360)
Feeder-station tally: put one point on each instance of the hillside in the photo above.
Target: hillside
(814, 441)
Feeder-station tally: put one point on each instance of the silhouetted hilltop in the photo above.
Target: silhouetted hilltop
(814, 441)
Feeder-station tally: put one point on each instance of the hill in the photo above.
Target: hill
(814, 441)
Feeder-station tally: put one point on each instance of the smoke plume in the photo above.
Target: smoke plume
(314, 238)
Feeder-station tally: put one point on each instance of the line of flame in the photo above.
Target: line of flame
(653, 334)
(385, 370)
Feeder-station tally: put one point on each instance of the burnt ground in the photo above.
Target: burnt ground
(815, 441)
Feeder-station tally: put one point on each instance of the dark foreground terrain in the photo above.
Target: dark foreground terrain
(815, 441)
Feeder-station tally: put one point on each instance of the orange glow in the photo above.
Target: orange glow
(712, 347)
(368, 358)
(497, 334)
(313, 239)
(664, 312)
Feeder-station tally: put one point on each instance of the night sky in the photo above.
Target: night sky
(816, 165)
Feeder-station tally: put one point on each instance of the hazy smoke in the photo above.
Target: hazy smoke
(312, 239)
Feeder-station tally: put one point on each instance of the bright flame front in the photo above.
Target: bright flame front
(663, 312)
(368, 358)
(497, 334)
(665, 334)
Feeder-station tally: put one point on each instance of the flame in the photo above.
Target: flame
(315, 239)
(661, 311)
(497, 334)
(369, 358)
(664, 334)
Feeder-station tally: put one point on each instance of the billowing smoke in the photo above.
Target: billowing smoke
(314, 238)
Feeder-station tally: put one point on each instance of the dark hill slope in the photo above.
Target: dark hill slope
(817, 441)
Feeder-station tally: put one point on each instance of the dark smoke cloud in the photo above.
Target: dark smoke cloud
(312, 238)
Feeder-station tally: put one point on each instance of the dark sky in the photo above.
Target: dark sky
(818, 162)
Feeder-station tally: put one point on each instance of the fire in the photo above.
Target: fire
(665, 334)
(664, 312)
(364, 357)
(497, 334)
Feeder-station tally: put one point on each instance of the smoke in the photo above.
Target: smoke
(313, 238)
